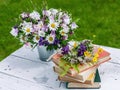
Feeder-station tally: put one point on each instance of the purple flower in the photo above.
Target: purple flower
(14, 31)
(73, 26)
(81, 50)
(46, 43)
(65, 37)
(56, 41)
(24, 15)
(71, 32)
(83, 47)
(41, 42)
(45, 28)
(65, 49)
(52, 32)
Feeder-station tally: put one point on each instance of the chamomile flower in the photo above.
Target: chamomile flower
(41, 33)
(27, 30)
(36, 38)
(23, 39)
(73, 44)
(53, 26)
(62, 32)
(35, 15)
(50, 39)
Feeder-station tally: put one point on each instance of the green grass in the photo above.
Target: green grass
(99, 20)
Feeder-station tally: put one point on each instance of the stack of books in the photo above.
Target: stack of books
(88, 75)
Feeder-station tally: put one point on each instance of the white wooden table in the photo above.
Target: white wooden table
(23, 70)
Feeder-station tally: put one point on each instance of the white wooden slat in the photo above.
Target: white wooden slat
(11, 83)
(27, 53)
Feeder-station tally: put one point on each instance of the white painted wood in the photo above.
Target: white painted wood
(27, 53)
(24, 66)
(12, 83)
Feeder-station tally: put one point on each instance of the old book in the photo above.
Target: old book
(80, 77)
(90, 79)
(103, 57)
(95, 85)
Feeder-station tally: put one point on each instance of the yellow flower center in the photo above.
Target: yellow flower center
(53, 25)
(37, 38)
(23, 38)
(50, 38)
(62, 32)
(75, 45)
(41, 25)
(28, 30)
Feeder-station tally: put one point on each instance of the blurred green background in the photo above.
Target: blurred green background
(99, 20)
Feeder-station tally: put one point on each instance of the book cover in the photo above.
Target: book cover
(95, 85)
(90, 79)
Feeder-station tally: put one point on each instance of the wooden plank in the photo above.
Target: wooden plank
(11, 83)
(27, 53)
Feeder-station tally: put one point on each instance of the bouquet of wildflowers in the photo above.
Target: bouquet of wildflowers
(78, 53)
(50, 28)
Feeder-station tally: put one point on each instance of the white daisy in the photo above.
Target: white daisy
(36, 39)
(50, 38)
(73, 44)
(23, 39)
(28, 30)
(35, 15)
(41, 33)
(14, 31)
(62, 32)
(53, 26)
